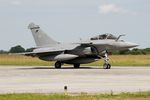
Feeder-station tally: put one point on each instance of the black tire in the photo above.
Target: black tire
(76, 65)
(106, 66)
(58, 64)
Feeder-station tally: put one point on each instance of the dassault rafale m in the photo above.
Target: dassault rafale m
(83, 52)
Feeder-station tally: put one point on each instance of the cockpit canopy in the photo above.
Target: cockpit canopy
(104, 36)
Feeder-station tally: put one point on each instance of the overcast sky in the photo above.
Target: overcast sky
(70, 20)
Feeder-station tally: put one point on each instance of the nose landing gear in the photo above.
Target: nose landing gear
(106, 65)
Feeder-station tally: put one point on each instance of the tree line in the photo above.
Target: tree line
(16, 49)
(135, 51)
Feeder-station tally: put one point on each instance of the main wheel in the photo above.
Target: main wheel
(58, 64)
(106, 66)
(76, 65)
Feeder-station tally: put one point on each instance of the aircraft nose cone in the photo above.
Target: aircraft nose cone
(131, 45)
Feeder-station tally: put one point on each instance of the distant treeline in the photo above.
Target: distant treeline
(16, 49)
(135, 51)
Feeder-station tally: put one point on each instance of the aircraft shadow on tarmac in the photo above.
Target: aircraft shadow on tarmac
(60, 68)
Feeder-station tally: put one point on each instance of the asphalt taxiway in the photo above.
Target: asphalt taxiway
(41, 79)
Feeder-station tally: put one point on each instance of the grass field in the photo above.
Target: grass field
(82, 96)
(115, 60)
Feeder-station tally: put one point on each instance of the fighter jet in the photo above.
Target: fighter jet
(83, 52)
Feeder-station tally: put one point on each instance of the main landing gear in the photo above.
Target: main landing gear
(106, 60)
(58, 65)
(76, 65)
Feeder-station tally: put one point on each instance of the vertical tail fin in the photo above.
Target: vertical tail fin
(41, 39)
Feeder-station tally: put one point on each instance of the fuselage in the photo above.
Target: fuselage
(85, 53)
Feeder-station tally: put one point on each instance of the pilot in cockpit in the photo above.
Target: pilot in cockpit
(103, 36)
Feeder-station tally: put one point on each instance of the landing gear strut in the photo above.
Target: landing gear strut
(58, 64)
(106, 60)
(76, 65)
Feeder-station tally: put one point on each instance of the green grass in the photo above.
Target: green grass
(22, 60)
(115, 60)
(82, 96)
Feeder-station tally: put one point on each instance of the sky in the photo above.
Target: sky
(72, 20)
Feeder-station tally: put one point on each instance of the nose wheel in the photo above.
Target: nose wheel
(106, 65)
